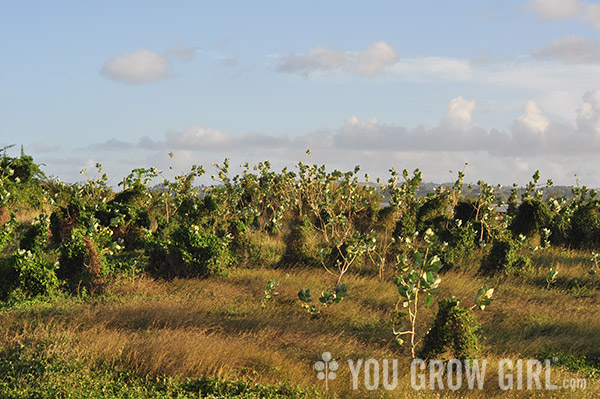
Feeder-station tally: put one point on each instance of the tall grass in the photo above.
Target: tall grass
(215, 327)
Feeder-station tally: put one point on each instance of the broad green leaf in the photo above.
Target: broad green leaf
(429, 299)
(304, 295)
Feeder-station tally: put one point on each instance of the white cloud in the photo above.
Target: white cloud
(532, 141)
(531, 133)
(532, 118)
(551, 10)
(198, 138)
(591, 15)
(556, 9)
(433, 68)
(371, 62)
(374, 60)
(588, 118)
(460, 111)
(572, 49)
(141, 66)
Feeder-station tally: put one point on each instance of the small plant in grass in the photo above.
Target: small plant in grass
(334, 296)
(417, 276)
(270, 293)
(305, 300)
(551, 277)
(483, 297)
(327, 298)
(595, 258)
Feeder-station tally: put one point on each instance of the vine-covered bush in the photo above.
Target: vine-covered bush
(461, 245)
(455, 331)
(585, 225)
(27, 274)
(504, 257)
(532, 216)
(82, 262)
(301, 244)
(189, 251)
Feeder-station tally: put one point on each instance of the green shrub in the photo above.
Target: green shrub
(454, 330)
(82, 262)
(461, 245)
(406, 225)
(532, 216)
(27, 274)
(504, 257)
(465, 211)
(189, 251)
(434, 214)
(75, 214)
(35, 236)
(301, 244)
(560, 226)
(7, 233)
(585, 225)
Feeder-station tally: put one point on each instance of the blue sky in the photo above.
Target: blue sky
(509, 87)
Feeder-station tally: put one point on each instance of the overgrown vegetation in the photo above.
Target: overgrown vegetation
(76, 243)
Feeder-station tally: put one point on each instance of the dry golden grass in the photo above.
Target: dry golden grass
(216, 327)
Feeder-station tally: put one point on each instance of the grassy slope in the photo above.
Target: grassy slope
(146, 338)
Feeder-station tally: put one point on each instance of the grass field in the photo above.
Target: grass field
(211, 337)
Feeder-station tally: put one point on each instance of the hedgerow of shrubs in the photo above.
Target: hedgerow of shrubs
(307, 217)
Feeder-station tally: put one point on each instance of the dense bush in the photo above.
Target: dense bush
(461, 245)
(504, 257)
(585, 225)
(188, 251)
(302, 245)
(455, 331)
(532, 216)
(435, 213)
(261, 217)
(82, 262)
(27, 274)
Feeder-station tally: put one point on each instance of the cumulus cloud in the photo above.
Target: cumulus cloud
(592, 15)
(531, 133)
(141, 66)
(374, 60)
(551, 10)
(460, 111)
(532, 118)
(532, 141)
(370, 62)
(588, 118)
(571, 49)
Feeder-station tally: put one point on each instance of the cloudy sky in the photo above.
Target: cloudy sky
(507, 86)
